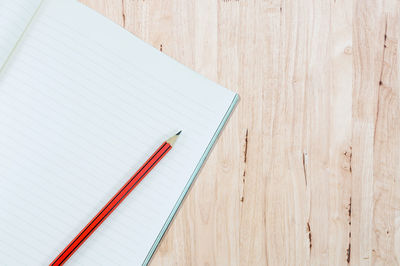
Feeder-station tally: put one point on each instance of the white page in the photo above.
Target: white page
(15, 16)
(83, 103)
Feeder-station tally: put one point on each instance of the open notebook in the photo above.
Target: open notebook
(83, 103)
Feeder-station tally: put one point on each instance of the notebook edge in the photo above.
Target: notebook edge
(192, 178)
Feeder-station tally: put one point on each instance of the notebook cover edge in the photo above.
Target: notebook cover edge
(190, 181)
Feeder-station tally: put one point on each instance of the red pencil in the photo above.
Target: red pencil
(115, 201)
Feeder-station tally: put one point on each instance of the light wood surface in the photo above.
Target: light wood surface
(307, 171)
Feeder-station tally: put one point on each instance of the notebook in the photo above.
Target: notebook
(83, 103)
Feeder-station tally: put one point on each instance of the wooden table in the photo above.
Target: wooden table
(307, 172)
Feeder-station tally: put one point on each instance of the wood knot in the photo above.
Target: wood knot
(309, 235)
(348, 154)
(348, 50)
(348, 252)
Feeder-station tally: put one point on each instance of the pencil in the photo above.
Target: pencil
(115, 201)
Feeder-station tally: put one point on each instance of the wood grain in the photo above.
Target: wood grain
(307, 171)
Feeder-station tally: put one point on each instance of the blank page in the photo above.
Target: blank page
(83, 104)
(15, 16)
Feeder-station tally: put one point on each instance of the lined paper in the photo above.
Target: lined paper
(83, 103)
(15, 16)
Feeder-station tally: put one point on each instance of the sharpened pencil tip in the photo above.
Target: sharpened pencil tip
(173, 139)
